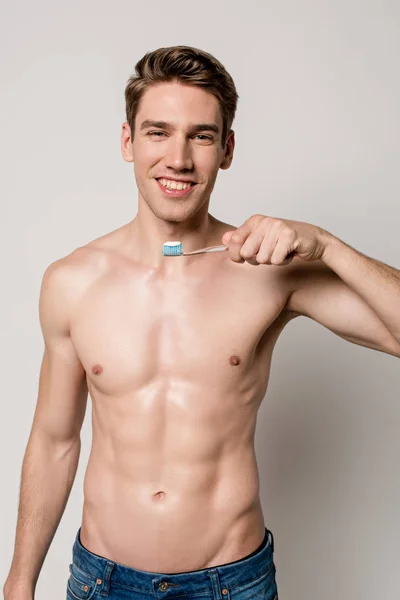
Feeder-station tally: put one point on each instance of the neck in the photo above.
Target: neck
(149, 233)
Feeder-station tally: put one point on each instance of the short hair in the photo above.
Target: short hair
(186, 65)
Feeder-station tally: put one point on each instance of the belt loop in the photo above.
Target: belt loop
(215, 583)
(105, 586)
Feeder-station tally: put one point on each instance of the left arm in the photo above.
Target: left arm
(354, 296)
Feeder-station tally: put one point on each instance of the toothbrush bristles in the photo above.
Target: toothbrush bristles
(172, 249)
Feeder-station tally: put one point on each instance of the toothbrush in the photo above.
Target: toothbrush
(176, 249)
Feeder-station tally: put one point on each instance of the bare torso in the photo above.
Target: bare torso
(176, 366)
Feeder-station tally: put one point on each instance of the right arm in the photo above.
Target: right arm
(52, 453)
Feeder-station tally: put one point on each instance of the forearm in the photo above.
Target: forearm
(48, 472)
(376, 282)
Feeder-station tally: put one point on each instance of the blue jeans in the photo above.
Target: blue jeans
(250, 578)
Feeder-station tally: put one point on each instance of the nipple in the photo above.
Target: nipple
(234, 360)
(97, 369)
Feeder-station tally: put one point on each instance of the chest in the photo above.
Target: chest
(132, 331)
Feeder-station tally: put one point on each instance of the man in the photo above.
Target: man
(175, 352)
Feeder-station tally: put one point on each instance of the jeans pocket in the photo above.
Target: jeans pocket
(260, 588)
(80, 585)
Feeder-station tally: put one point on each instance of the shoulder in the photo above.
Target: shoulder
(81, 262)
(63, 283)
(66, 279)
(89, 259)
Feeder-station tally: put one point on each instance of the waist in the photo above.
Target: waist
(96, 571)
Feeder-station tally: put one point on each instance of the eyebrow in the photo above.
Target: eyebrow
(192, 128)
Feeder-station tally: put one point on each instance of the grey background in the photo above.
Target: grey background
(317, 140)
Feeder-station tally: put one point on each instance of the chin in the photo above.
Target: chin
(176, 216)
(174, 212)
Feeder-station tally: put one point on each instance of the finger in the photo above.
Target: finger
(231, 245)
(236, 242)
(226, 237)
(251, 261)
(266, 249)
(239, 237)
(282, 254)
(251, 246)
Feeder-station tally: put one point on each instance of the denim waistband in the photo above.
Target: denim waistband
(230, 575)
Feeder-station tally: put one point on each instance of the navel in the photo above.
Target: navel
(159, 495)
(97, 369)
(234, 360)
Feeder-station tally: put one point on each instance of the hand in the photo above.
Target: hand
(269, 241)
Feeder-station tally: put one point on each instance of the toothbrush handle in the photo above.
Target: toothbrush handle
(209, 249)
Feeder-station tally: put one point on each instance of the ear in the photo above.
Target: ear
(229, 148)
(126, 144)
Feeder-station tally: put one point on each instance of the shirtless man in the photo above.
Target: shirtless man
(175, 353)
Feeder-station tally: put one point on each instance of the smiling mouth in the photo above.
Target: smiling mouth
(175, 184)
(176, 188)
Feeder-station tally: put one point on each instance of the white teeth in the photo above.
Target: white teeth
(174, 185)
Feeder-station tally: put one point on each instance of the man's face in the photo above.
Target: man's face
(176, 149)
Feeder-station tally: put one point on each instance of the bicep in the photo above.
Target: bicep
(319, 293)
(62, 394)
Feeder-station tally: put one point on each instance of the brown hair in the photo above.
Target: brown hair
(186, 65)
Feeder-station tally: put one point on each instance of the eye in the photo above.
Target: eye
(202, 137)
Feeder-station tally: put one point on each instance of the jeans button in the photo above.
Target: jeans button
(163, 586)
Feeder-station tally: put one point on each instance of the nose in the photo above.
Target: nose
(178, 155)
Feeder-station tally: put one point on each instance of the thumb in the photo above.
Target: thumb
(226, 237)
